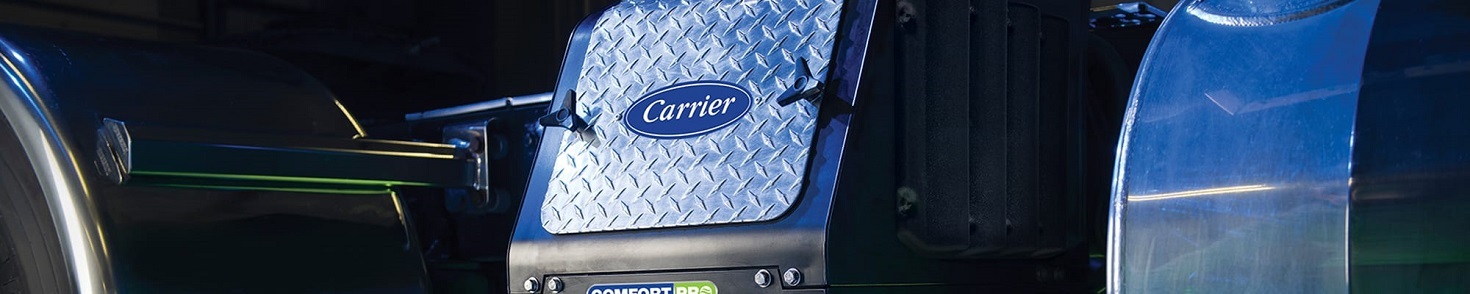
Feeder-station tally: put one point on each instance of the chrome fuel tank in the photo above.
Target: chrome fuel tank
(1296, 146)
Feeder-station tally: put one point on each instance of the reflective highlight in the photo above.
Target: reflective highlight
(60, 178)
(1201, 192)
(1252, 13)
(385, 184)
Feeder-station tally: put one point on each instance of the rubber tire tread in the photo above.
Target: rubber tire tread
(31, 259)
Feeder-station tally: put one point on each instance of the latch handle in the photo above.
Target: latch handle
(566, 117)
(804, 87)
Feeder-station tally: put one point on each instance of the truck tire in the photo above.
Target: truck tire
(31, 259)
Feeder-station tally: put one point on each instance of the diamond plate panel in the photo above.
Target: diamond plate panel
(750, 171)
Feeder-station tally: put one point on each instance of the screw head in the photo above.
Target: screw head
(555, 285)
(763, 278)
(532, 285)
(792, 277)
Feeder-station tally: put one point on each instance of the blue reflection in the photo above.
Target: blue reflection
(1234, 167)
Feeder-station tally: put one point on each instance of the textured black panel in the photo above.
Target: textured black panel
(988, 121)
(936, 164)
(987, 92)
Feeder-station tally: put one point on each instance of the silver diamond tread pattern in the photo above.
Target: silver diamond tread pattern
(749, 171)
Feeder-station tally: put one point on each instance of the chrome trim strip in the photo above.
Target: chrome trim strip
(480, 106)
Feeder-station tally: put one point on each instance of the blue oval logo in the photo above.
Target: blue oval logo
(687, 109)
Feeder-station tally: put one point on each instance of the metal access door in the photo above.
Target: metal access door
(689, 113)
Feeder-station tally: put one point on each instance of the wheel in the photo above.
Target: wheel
(31, 259)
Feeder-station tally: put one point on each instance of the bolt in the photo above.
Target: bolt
(555, 285)
(906, 12)
(532, 285)
(763, 278)
(907, 200)
(792, 277)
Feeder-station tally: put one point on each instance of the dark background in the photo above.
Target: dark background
(382, 58)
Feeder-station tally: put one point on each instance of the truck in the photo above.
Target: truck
(769, 146)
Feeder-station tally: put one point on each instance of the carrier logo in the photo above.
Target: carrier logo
(687, 109)
(692, 287)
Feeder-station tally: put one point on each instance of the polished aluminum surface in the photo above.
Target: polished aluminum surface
(1234, 166)
(61, 178)
(750, 171)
